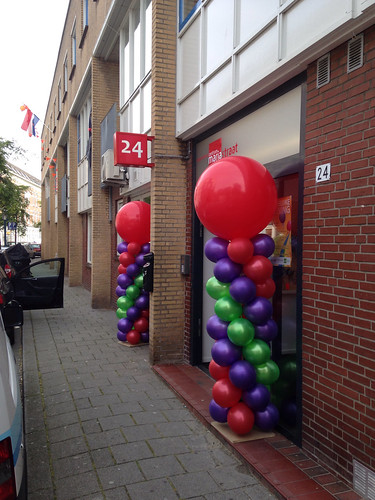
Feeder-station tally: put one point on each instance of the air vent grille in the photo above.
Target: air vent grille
(323, 71)
(363, 480)
(355, 53)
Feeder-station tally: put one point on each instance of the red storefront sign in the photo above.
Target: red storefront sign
(131, 150)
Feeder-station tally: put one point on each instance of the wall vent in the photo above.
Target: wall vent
(355, 53)
(323, 70)
(363, 481)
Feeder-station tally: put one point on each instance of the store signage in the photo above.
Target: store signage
(216, 151)
(131, 150)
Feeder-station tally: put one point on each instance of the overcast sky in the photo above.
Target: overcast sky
(30, 34)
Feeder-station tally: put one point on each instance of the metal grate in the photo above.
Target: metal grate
(323, 71)
(363, 481)
(355, 53)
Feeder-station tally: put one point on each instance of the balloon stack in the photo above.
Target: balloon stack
(235, 198)
(133, 225)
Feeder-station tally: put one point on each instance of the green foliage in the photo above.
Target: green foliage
(13, 202)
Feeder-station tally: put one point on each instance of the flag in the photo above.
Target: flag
(29, 122)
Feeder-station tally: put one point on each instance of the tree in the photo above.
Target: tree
(13, 202)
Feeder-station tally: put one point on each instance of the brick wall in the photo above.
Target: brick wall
(168, 188)
(338, 265)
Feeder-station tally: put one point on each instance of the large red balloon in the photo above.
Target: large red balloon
(240, 419)
(235, 198)
(225, 393)
(133, 222)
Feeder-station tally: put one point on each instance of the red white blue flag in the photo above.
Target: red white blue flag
(29, 122)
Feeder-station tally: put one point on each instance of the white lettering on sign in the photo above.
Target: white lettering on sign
(323, 172)
(137, 148)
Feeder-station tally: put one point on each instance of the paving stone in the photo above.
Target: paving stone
(119, 475)
(158, 467)
(152, 490)
(131, 451)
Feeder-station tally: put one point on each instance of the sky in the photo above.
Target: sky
(30, 34)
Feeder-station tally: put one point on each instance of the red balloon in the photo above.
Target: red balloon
(266, 288)
(134, 248)
(258, 269)
(225, 393)
(235, 197)
(133, 222)
(133, 337)
(145, 313)
(126, 259)
(121, 269)
(240, 419)
(217, 372)
(141, 324)
(240, 250)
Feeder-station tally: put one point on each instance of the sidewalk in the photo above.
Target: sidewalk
(101, 423)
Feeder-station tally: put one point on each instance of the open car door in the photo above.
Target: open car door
(40, 285)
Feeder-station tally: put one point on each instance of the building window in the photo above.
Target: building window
(65, 73)
(59, 99)
(85, 20)
(73, 37)
(83, 129)
(187, 9)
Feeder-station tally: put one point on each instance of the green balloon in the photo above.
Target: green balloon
(121, 313)
(228, 309)
(216, 289)
(256, 352)
(240, 331)
(124, 302)
(132, 292)
(288, 368)
(267, 373)
(138, 281)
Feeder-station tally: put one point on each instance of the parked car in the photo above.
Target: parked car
(29, 249)
(12, 452)
(25, 286)
(37, 248)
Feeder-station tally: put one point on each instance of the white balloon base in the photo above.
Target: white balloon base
(231, 436)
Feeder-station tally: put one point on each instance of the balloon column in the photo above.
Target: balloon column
(133, 225)
(235, 198)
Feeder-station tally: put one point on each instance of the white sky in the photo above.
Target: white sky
(30, 34)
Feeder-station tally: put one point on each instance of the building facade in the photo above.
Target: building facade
(33, 195)
(288, 83)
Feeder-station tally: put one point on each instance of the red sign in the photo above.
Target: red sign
(131, 150)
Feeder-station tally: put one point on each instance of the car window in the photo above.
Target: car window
(45, 269)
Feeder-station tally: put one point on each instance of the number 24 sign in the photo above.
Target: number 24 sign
(131, 149)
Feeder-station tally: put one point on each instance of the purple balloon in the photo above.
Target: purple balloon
(145, 337)
(121, 336)
(242, 374)
(217, 328)
(267, 419)
(266, 331)
(133, 313)
(125, 325)
(140, 259)
(142, 302)
(122, 247)
(120, 291)
(145, 248)
(124, 280)
(242, 289)
(257, 398)
(133, 270)
(216, 249)
(217, 412)
(224, 353)
(226, 270)
(289, 412)
(263, 245)
(259, 311)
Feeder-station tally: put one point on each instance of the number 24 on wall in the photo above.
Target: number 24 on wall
(131, 149)
(323, 172)
(137, 148)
